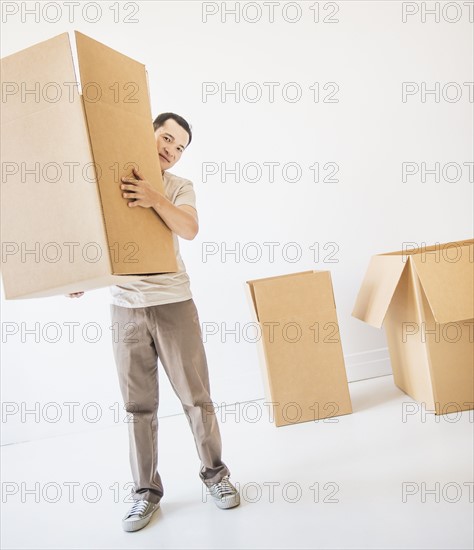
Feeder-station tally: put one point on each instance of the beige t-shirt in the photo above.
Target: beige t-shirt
(168, 287)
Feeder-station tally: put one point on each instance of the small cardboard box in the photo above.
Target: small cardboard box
(299, 346)
(425, 299)
(65, 225)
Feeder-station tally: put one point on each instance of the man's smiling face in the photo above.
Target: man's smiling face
(171, 141)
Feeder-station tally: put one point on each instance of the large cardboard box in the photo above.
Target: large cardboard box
(299, 346)
(65, 225)
(424, 297)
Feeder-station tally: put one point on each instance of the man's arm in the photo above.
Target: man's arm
(182, 220)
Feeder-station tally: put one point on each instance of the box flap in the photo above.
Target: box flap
(121, 133)
(310, 290)
(411, 250)
(252, 297)
(267, 279)
(378, 287)
(108, 76)
(447, 277)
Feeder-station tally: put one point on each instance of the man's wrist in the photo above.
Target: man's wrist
(160, 201)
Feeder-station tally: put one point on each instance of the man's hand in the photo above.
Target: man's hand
(182, 219)
(141, 190)
(74, 295)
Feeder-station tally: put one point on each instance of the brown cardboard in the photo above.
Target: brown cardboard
(72, 230)
(425, 300)
(300, 349)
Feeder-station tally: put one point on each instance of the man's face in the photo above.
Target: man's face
(171, 141)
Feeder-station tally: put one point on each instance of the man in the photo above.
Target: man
(165, 325)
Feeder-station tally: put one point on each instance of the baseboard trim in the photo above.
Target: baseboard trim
(367, 364)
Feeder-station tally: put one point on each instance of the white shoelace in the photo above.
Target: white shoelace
(138, 508)
(224, 487)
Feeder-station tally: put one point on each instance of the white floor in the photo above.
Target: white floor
(372, 479)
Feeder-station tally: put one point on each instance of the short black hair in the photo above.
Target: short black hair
(163, 117)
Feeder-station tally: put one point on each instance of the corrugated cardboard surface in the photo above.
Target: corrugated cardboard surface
(48, 62)
(378, 287)
(448, 281)
(53, 225)
(303, 354)
(40, 214)
(425, 249)
(408, 355)
(121, 134)
(81, 286)
(450, 348)
(428, 321)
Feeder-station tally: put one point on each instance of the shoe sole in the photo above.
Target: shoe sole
(136, 525)
(229, 503)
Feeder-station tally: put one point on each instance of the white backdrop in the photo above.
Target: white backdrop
(360, 129)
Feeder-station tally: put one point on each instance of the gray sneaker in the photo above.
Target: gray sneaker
(225, 495)
(139, 515)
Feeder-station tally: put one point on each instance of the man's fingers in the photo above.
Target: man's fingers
(138, 174)
(129, 188)
(74, 295)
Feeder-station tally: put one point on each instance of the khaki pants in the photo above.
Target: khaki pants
(172, 333)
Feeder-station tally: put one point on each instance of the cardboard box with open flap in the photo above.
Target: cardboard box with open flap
(424, 297)
(300, 351)
(65, 225)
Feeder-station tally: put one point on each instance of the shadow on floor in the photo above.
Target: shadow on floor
(367, 398)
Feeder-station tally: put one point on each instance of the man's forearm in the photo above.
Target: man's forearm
(180, 222)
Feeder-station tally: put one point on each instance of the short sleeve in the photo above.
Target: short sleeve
(186, 195)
